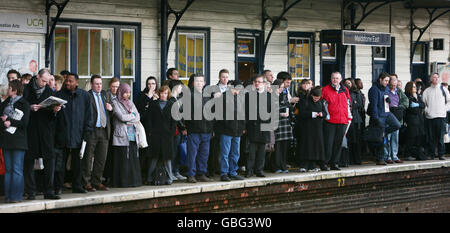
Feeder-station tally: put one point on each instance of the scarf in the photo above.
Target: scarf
(124, 88)
(9, 109)
(37, 89)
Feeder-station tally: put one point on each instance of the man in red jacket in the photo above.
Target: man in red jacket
(338, 105)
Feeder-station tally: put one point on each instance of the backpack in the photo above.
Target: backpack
(445, 97)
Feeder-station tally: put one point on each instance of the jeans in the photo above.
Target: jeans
(14, 182)
(392, 124)
(229, 154)
(391, 147)
(197, 153)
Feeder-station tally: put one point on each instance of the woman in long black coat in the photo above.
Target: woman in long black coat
(161, 127)
(414, 119)
(312, 114)
(354, 136)
(145, 98)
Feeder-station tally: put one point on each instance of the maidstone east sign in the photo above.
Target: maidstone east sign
(23, 23)
(366, 38)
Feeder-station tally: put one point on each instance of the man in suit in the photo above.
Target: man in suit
(97, 144)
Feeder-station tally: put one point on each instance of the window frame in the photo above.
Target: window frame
(254, 46)
(330, 58)
(311, 37)
(423, 54)
(89, 47)
(133, 76)
(68, 47)
(206, 32)
(380, 58)
(117, 25)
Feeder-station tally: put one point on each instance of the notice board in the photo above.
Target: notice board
(22, 56)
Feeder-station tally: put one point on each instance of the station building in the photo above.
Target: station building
(135, 39)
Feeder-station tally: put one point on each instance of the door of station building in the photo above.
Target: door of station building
(420, 62)
(248, 53)
(383, 60)
(332, 57)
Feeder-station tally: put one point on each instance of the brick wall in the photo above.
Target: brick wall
(411, 191)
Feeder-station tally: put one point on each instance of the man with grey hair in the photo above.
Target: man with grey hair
(437, 103)
(41, 135)
(338, 106)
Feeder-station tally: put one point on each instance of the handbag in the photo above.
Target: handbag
(2, 163)
(374, 135)
(141, 138)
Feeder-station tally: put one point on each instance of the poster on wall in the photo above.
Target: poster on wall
(22, 56)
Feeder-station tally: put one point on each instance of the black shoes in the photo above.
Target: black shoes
(225, 178)
(249, 174)
(441, 158)
(79, 190)
(324, 168)
(203, 178)
(260, 174)
(31, 197)
(51, 196)
(335, 167)
(191, 179)
(237, 177)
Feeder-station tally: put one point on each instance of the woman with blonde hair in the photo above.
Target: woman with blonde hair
(162, 128)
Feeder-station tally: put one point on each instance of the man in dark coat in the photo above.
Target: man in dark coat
(257, 137)
(41, 134)
(79, 125)
(97, 145)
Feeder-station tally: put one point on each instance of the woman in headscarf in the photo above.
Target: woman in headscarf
(126, 168)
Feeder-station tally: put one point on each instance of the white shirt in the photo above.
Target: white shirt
(434, 100)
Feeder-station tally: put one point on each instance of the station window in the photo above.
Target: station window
(127, 52)
(419, 53)
(246, 46)
(328, 50)
(299, 57)
(96, 48)
(191, 52)
(379, 53)
(62, 49)
(95, 52)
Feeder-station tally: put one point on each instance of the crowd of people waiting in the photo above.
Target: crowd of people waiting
(318, 129)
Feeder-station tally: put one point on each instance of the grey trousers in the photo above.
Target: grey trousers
(96, 150)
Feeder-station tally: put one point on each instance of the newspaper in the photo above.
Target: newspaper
(17, 115)
(52, 101)
(83, 147)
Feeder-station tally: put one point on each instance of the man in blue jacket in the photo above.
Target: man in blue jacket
(79, 125)
(379, 113)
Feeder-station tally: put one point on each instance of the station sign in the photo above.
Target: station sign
(23, 23)
(366, 38)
